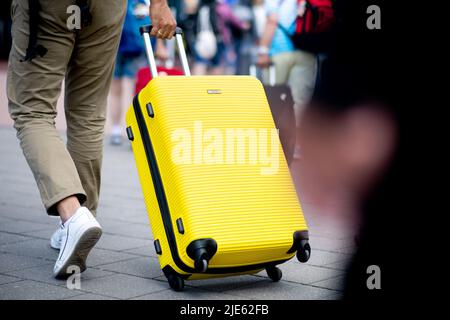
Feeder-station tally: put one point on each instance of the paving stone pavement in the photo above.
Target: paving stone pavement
(124, 265)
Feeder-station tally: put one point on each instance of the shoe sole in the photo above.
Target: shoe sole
(56, 247)
(80, 252)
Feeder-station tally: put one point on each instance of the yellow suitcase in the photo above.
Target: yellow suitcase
(216, 184)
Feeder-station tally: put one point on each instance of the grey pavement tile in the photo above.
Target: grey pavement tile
(303, 273)
(139, 218)
(322, 258)
(347, 250)
(4, 219)
(122, 208)
(188, 293)
(24, 210)
(131, 230)
(90, 296)
(341, 265)
(326, 229)
(22, 194)
(224, 284)
(8, 238)
(328, 244)
(147, 251)
(336, 283)
(145, 267)
(32, 248)
(123, 286)
(119, 243)
(32, 290)
(334, 296)
(99, 257)
(44, 234)
(131, 189)
(331, 234)
(20, 226)
(132, 215)
(122, 196)
(8, 279)
(45, 274)
(108, 223)
(280, 291)
(12, 262)
(18, 184)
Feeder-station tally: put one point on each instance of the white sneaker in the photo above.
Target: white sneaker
(55, 240)
(116, 140)
(79, 235)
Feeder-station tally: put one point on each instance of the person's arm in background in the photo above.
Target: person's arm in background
(163, 22)
(266, 40)
(227, 15)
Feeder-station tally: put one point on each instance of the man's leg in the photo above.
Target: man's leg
(88, 81)
(33, 88)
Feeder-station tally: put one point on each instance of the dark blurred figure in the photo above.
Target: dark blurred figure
(5, 29)
(352, 138)
(243, 40)
(213, 36)
(186, 19)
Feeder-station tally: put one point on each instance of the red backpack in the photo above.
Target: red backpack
(314, 23)
(318, 16)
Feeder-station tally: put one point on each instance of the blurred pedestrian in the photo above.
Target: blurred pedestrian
(213, 36)
(243, 41)
(259, 14)
(130, 58)
(295, 67)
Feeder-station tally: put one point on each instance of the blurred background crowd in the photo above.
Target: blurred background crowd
(222, 37)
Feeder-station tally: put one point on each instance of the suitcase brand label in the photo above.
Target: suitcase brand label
(214, 91)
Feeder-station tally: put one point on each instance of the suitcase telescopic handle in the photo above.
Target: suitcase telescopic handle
(272, 75)
(145, 32)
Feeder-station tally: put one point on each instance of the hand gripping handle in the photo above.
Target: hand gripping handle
(145, 32)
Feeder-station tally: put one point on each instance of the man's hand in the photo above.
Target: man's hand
(263, 61)
(162, 19)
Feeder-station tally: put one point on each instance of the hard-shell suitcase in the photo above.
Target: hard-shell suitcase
(217, 205)
(282, 106)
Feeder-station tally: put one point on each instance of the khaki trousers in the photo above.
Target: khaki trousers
(85, 59)
(298, 69)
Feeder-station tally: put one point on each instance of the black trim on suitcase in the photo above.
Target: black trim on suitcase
(164, 208)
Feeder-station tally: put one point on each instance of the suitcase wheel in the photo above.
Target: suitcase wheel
(175, 282)
(201, 251)
(274, 273)
(201, 265)
(304, 251)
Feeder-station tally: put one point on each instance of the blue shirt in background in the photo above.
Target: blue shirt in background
(131, 42)
(287, 14)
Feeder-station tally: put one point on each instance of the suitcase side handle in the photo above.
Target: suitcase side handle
(272, 74)
(145, 32)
